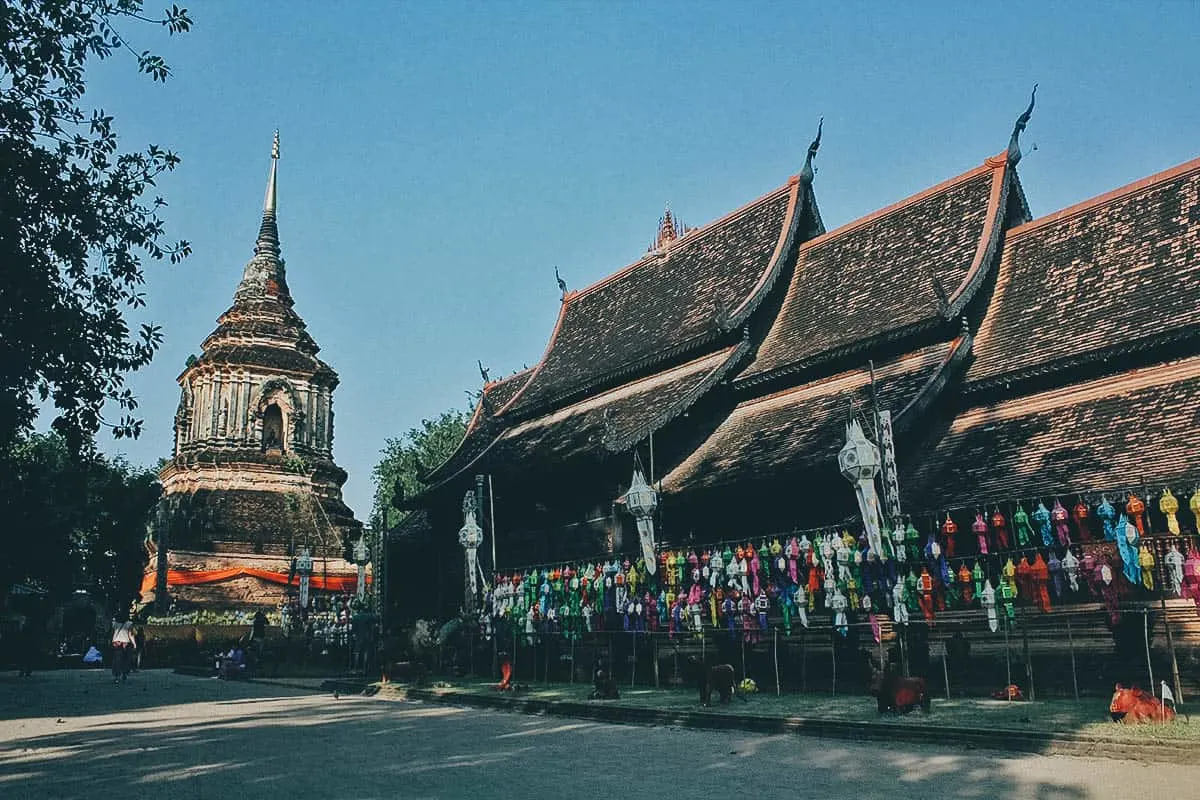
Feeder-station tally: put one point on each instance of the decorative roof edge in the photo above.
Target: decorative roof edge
(787, 237)
(681, 405)
(956, 358)
(826, 356)
(479, 419)
(989, 239)
(1112, 196)
(1145, 345)
(558, 323)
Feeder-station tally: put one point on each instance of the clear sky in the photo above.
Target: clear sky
(439, 159)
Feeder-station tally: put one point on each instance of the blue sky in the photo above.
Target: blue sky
(439, 159)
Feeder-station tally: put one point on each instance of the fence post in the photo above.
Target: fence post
(654, 639)
(945, 671)
(1028, 662)
(1074, 671)
(833, 655)
(776, 656)
(1007, 660)
(804, 661)
(572, 659)
(1146, 636)
(633, 668)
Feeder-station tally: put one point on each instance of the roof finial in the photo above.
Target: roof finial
(1014, 143)
(269, 202)
(483, 371)
(562, 285)
(807, 173)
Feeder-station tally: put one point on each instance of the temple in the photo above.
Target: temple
(998, 359)
(252, 481)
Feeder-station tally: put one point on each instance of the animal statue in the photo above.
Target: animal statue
(896, 693)
(506, 672)
(719, 678)
(1132, 705)
(604, 686)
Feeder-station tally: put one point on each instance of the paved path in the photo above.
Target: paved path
(75, 734)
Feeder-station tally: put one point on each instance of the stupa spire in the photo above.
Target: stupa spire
(268, 232)
(264, 275)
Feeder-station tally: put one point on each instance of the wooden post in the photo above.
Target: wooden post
(1007, 660)
(514, 652)
(945, 671)
(1146, 636)
(776, 656)
(572, 659)
(633, 669)
(1074, 671)
(655, 640)
(804, 661)
(1028, 662)
(743, 657)
(833, 656)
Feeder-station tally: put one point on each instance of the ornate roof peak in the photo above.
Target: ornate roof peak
(669, 230)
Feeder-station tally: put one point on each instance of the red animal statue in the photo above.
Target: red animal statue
(1133, 705)
(897, 693)
(506, 671)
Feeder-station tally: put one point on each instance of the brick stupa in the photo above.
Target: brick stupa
(252, 480)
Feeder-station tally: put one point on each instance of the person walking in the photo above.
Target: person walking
(26, 647)
(123, 647)
(139, 647)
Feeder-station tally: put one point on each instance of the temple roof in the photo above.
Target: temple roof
(1116, 274)
(610, 422)
(804, 427)
(694, 290)
(1106, 434)
(905, 267)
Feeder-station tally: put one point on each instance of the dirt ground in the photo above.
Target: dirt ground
(75, 734)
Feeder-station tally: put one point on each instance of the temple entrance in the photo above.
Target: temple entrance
(273, 428)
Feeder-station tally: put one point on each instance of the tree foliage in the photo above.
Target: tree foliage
(404, 460)
(77, 218)
(72, 522)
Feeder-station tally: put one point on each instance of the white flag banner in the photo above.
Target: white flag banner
(1167, 696)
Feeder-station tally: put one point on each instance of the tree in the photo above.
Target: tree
(72, 521)
(75, 219)
(405, 459)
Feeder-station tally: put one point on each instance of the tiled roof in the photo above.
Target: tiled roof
(482, 429)
(612, 421)
(416, 526)
(700, 287)
(803, 428)
(913, 263)
(1117, 273)
(1105, 434)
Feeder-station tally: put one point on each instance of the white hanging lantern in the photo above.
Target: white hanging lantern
(360, 559)
(304, 566)
(470, 536)
(859, 461)
(642, 501)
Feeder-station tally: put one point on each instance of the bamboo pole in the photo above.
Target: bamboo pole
(1162, 601)
(1007, 660)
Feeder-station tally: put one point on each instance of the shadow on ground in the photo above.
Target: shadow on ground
(197, 738)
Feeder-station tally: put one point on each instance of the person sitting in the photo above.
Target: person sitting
(233, 665)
